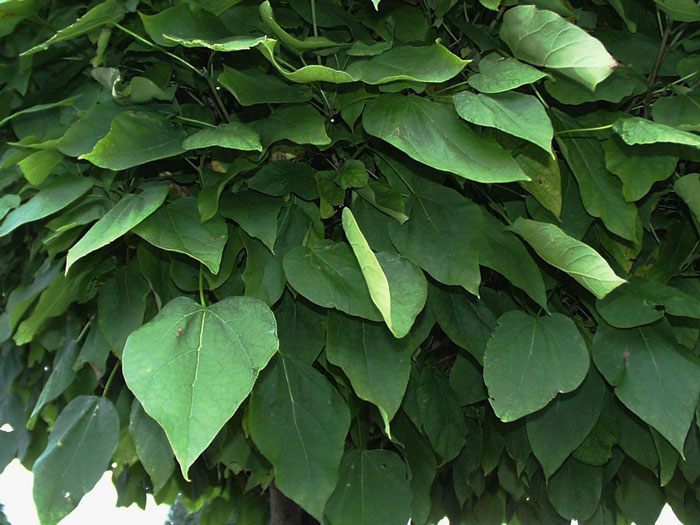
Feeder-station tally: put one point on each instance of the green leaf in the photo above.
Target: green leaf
(652, 375)
(440, 414)
(301, 328)
(78, 452)
(39, 165)
(255, 213)
(680, 111)
(498, 74)
(299, 422)
(642, 302)
(307, 44)
(152, 446)
(545, 182)
(104, 14)
(55, 195)
(575, 490)
(638, 495)
(305, 74)
(636, 130)
(558, 430)
(328, 274)
(377, 364)
(544, 38)
(208, 199)
(432, 64)
(638, 167)
(372, 490)
(263, 275)
(397, 287)
(577, 259)
(136, 138)
(126, 214)
(282, 177)
(688, 189)
(467, 381)
(233, 135)
(177, 228)
(432, 133)
(601, 192)
(8, 202)
(466, 321)
(182, 23)
(681, 10)
(181, 381)
(298, 124)
(512, 112)
(121, 305)
(252, 86)
(528, 361)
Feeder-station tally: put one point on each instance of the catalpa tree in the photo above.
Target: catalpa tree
(351, 261)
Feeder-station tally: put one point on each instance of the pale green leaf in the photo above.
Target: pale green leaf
(127, 213)
(55, 195)
(577, 259)
(544, 38)
(514, 113)
(681, 10)
(498, 74)
(688, 188)
(39, 165)
(636, 130)
(233, 135)
(136, 138)
(202, 366)
(529, 360)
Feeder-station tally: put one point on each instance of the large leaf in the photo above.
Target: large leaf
(544, 38)
(653, 376)
(183, 23)
(252, 86)
(328, 274)
(575, 489)
(529, 360)
(372, 490)
(255, 213)
(136, 138)
(432, 133)
(498, 74)
(177, 228)
(397, 287)
(79, 449)
(126, 214)
(557, 430)
(298, 124)
(201, 368)
(577, 259)
(515, 113)
(377, 364)
(233, 135)
(299, 422)
(55, 195)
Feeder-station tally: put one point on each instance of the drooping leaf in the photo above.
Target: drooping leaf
(299, 423)
(515, 113)
(372, 489)
(528, 361)
(652, 375)
(575, 489)
(301, 328)
(126, 214)
(577, 259)
(544, 38)
(136, 138)
(177, 228)
(377, 364)
(151, 445)
(203, 367)
(52, 197)
(558, 430)
(255, 213)
(432, 133)
(397, 287)
(79, 449)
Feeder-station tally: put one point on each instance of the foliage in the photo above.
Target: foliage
(387, 259)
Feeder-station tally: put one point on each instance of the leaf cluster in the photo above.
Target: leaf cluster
(389, 260)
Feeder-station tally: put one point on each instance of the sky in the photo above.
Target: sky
(16, 496)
